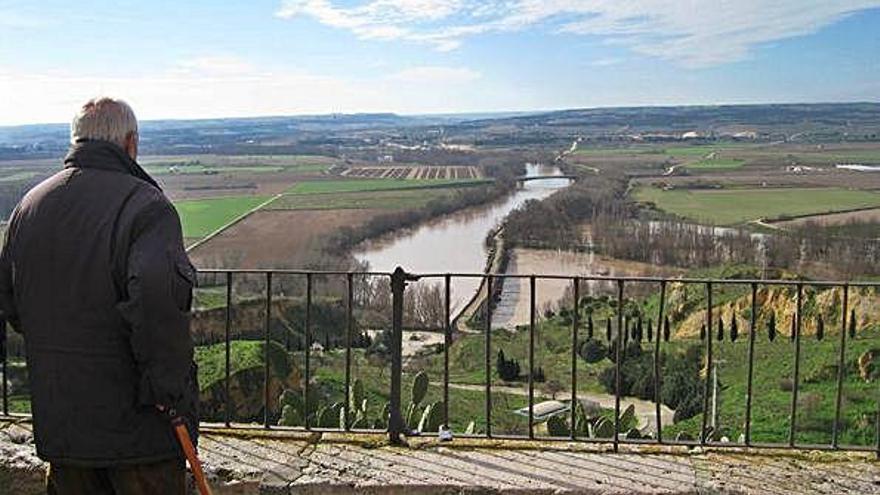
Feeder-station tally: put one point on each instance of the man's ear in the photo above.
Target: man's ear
(131, 145)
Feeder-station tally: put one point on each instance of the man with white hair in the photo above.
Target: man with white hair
(94, 274)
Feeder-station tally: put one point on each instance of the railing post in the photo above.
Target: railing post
(841, 369)
(227, 337)
(266, 344)
(532, 357)
(349, 321)
(488, 355)
(753, 322)
(575, 324)
(447, 344)
(395, 421)
(3, 361)
(618, 356)
(657, 379)
(792, 432)
(307, 375)
(709, 364)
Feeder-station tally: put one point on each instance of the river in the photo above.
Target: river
(455, 243)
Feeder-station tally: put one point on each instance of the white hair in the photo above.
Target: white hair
(105, 119)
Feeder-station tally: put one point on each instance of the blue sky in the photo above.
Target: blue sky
(193, 59)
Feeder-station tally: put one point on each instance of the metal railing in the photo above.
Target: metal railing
(399, 279)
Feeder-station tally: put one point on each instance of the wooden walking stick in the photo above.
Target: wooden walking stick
(182, 434)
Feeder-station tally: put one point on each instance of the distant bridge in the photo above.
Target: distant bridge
(526, 178)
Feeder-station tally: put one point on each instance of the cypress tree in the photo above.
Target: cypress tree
(608, 329)
(771, 327)
(703, 331)
(639, 330)
(734, 330)
(666, 329)
(820, 328)
(626, 331)
(590, 327)
(852, 324)
(650, 331)
(720, 328)
(793, 328)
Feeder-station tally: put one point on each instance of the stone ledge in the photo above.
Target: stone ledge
(250, 461)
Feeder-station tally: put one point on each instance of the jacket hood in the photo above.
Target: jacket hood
(104, 155)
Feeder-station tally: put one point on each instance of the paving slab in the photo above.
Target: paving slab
(255, 461)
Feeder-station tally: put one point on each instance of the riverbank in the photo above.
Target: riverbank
(513, 308)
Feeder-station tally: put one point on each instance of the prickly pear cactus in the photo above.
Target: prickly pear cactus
(419, 388)
(557, 427)
(471, 428)
(603, 429)
(432, 418)
(628, 418)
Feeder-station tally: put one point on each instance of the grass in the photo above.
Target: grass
(201, 217)
(717, 164)
(391, 200)
(735, 206)
(205, 298)
(362, 185)
(244, 354)
(772, 390)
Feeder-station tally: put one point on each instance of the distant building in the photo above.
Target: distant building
(386, 159)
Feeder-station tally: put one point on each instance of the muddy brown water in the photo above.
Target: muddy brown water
(455, 243)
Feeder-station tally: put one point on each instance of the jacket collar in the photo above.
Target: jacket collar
(104, 155)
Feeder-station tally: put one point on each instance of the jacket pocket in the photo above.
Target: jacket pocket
(183, 282)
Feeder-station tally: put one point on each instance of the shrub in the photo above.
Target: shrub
(508, 369)
(593, 351)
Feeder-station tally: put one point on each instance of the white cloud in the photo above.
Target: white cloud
(436, 75)
(223, 86)
(694, 33)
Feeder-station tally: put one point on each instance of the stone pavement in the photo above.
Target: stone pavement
(246, 461)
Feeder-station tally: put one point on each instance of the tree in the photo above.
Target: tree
(703, 331)
(820, 328)
(720, 328)
(650, 331)
(852, 324)
(508, 369)
(734, 329)
(667, 329)
(608, 329)
(590, 326)
(771, 327)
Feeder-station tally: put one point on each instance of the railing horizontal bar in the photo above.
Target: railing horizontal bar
(743, 281)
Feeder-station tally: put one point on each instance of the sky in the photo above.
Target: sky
(207, 59)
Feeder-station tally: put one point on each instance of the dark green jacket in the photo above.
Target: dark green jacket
(94, 274)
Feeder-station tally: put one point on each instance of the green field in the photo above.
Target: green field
(390, 200)
(361, 185)
(201, 217)
(734, 206)
(717, 164)
(20, 176)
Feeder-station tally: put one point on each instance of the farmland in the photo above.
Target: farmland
(200, 217)
(362, 185)
(735, 206)
(380, 199)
